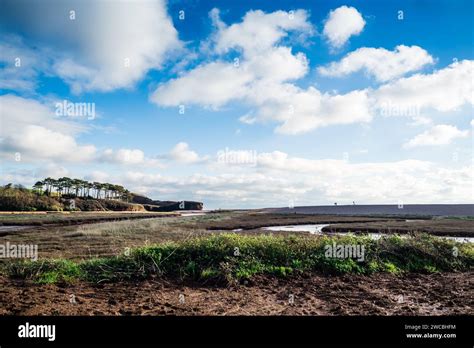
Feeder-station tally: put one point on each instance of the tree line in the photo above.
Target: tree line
(81, 188)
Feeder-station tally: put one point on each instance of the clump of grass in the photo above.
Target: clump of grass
(46, 272)
(234, 257)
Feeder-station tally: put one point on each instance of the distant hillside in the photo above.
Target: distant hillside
(79, 195)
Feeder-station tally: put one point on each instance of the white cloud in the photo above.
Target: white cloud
(301, 111)
(97, 175)
(258, 31)
(261, 79)
(380, 63)
(218, 83)
(443, 90)
(280, 177)
(123, 156)
(313, 110)
(128, 157)
(28, 177)
(278, 160)
(34, 142)
(442, 134)
(21, 64)
(341, 24)
(183, 154)
(30, 128)
(92, 50)
(277, 64)
(18, 112)
(211, 85)
(247, 119)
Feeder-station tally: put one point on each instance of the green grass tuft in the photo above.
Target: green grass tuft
(233, 257)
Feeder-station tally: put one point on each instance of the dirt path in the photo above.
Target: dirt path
(381, 294)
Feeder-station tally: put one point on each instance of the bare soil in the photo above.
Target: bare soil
(314, 294)
(378, 294)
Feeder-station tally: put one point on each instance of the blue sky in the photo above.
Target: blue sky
(314, 102)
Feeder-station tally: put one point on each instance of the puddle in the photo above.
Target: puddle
(461, 239)
(377, 236)
(297, 228)
(313, 229)
(14, 228)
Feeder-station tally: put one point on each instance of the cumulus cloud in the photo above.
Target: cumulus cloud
(106, 46)
(34, 142)
(28, 177)
(443, 90)
(258, 31)
(31, 128)
(302, 110)
(263, 78)
(123, 156)
(342, 23)
(278, 160)
(127, 157)
(97, 175)
(218, 83)
(211, 85)
(279, 178)
(380, 63)
(183, 154)
(18, 112)
(442, 134)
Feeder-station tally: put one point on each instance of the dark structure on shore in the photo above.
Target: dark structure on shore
(155, 205)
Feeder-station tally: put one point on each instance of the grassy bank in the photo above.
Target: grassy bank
(233, 257)
(73, 218)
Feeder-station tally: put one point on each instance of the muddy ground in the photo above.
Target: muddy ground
(379, 294)
(48, 219)
(343, 223)
(84, 241)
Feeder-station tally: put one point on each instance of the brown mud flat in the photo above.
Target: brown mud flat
(344, 223)
(254, 220)
(75, 218)
(437, 227)
(100, 239)
(377, 294)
